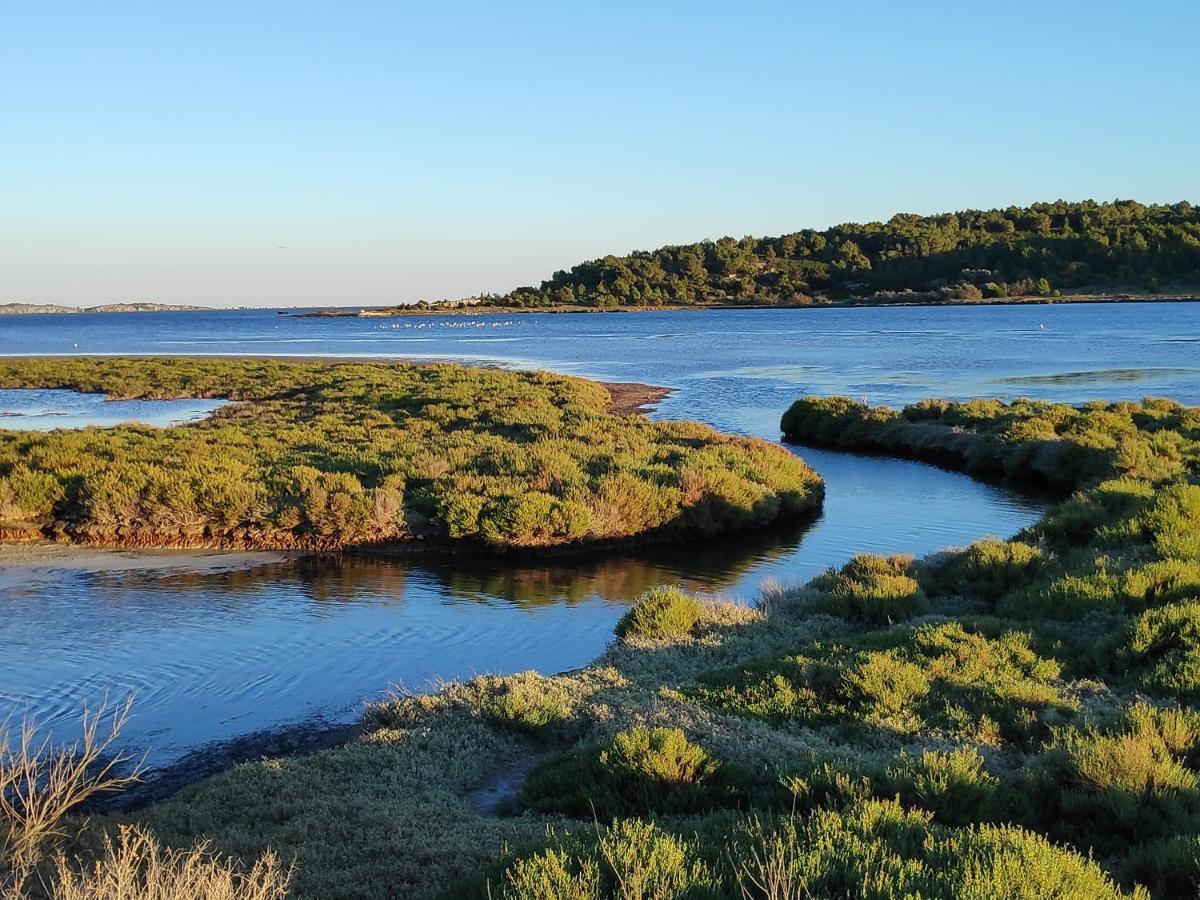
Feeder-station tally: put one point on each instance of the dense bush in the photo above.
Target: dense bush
(988, 569)
(659, 614)
(1161, 648)
(872, 589)
(328, 455)
(976, 679)
(640, 771)
(875, 849)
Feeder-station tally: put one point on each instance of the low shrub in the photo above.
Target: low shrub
(1161, 649)
(631, 860)
(875, 590)
(986, 570)
(1122, 784)
(875, 849)
(954, 786)
(642, 770)
(661, 613)
(978, 679)
(526, 702)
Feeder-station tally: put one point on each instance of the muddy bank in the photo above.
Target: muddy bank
(21, 561)
(630, 398)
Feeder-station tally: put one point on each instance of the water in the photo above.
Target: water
(214, 655)
(36, 409)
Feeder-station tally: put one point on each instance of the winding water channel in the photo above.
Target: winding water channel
(215, 647)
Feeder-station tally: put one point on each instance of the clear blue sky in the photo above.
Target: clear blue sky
(165, 150)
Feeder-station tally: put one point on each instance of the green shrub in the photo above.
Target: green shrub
(28, 496)
(525, 702)
(955, 786)
(639, 771)
(978, 679)
(875, 849)
(1161, 647)
(1169, 868)
(873, 589)
(1130, 781)
(820, 781)
(988, 570)
(552, 874)
(661, 613)
(632, 860)
(1173, 523)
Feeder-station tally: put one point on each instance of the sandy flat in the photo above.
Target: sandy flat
(19, 561)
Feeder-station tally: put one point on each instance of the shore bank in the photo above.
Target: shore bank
(22, 562)
(1031, 300)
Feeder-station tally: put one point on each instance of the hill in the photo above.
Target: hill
(965, 256)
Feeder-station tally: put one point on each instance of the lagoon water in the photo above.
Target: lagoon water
(37, 409)
(212, 655)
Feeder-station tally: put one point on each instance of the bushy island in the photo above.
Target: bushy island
(335, 456)
(1040, 251)
(1012, 720)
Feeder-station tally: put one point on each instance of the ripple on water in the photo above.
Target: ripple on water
(216, 655)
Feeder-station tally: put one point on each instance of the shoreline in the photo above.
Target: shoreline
(368, 312)
(19, 561)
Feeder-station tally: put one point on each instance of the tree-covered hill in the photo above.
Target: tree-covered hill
(968, 255)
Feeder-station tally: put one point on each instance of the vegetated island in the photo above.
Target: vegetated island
(1014, 719)
(17, 309)
(1047, 252)
(383, 457)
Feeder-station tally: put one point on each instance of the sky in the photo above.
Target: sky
(296, 153)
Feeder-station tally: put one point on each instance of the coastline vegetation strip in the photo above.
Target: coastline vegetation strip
(1013, 719)
(331, 456)
(967, 256)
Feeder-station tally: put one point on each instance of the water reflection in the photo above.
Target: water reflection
(213, 655)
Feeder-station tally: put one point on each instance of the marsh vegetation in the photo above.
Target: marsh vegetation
(1015, 718)
(338, 455)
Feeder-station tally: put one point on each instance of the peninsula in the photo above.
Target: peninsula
(1047, 252)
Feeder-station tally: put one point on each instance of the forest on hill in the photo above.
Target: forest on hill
(973, 255)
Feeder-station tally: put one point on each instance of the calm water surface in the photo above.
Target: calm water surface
(213, 656)
(35, 409)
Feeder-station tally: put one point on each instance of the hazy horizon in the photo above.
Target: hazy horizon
(298, 156)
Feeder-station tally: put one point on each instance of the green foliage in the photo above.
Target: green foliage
(873, 589)
(1130, 782)
(324, 456)
(1037, 251)
(526, 702)
(1173, 522)
(988, 569)
(873, 850)
(976, 679)
(640, 771)
(1161, 647)
(661, 613)
(632, 860)
(955, 786)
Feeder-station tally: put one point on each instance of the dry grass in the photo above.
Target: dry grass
(41, 783)
(136, 867)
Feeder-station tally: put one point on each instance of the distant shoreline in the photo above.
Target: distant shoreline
(43, 309)
(380, 312)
